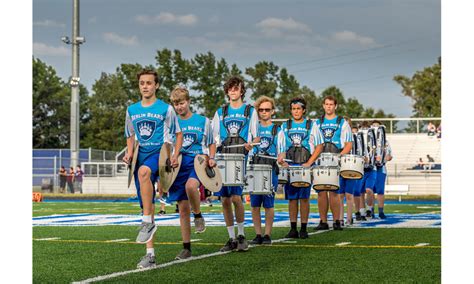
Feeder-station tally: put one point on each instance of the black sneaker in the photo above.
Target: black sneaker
(368, 214)
(303, 234)
(292, 234)
(337, 226)
(358, 217)
(382, 216)
(229, 246)
(257, 241)
(162, 212)
(242, 244)
(342, 223)
(322, 226)
(266, 240)
(177, 209)
(362, 218)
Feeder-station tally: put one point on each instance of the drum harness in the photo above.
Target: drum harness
(298, 153)
(330, 147)
(233, 139)
(265, 161)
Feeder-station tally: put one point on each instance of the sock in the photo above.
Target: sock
(303, 226)
(146, 218)
(293, 225)
(231, 231)
(380, 210)
(187, 246)
(150, 251)
(240, 228)
(199, 215)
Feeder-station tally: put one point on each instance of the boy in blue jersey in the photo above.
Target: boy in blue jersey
(379, 187)
(152, 121)
(300, 141)
(197, 139)
(337, 139)
(268, 133)
(234, 124)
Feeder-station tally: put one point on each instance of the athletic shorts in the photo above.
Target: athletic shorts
(152, 163)
(294, 193)
(268, 201)
(348, 186)
(177, 191)
(379, 187)
(368, 181)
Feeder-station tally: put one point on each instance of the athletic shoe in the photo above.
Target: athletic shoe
(257, 241)
(242, 244)
(177, 209)
(303, 234)
(266, 240)
(382, 216)
(162, 212)
(358, 217)
(337, 226)
(293, 234)
(185, 253)
(368, 214)
(147, 230)
(147, 261)
(349, 223)
(322, 226)
(199, 225)
(342, 223)
(229, 246)
(362, 218)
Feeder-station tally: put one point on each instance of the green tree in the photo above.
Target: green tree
(288, 88)
(173, 70)
(263, 79)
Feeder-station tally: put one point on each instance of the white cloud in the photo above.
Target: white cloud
(49, 24)
(43, 49)
(120, 40)
(351, 37)
(167, 18)
(275, 27)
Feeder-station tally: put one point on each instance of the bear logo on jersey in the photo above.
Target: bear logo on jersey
(264, 143)
(297, 138)
(146, 129)
(328, 133)
(188, 139)
(234, 126)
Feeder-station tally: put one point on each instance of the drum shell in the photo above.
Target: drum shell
(299, 176)
(283, 176)
(352, 166)
(258, 180)
(232, 168)
(328, 160)
(325, 178)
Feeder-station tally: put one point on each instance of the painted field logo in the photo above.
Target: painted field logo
(146, 129)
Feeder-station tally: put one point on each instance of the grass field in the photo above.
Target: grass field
(72, 253)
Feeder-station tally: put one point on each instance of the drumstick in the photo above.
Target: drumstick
(273, 158)
(242, 145)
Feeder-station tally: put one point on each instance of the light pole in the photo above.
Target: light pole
(74, 83)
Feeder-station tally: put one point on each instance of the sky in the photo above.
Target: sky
(356, 45)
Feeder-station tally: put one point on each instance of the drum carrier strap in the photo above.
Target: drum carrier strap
(265, 161)
(299, 154)
(330, 147)
(233, 140)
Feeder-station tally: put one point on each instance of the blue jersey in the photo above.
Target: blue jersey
(152, 125)
(235, 123)
(298, 135)
(338, 135)
(197, 135)
(268, 142)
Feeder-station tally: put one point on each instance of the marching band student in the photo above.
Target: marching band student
(301, 141)
(357, 150)
(267, 131)
(197, 139)
(368, 181)
(337, 139)
(379, 187)
(152, 121)
(233, 124)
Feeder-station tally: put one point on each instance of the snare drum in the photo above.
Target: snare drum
(258, 180)
(299, 176)
(232, 168)
(325, 178)
(328, 160)
(283, 175)
(352, 166)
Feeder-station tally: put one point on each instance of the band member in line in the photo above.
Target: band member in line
(338, 140)
(234, 124)
(357, 149)
(197, 139)
(268, 133)
(152, 121)
(379, 187)
(370, 174)
(301, 142)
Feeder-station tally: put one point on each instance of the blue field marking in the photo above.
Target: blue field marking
(425, 220)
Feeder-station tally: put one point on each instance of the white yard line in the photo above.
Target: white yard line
(48, 239)
(119, 240)
(117, 274)
(422, 244)
(343, 244)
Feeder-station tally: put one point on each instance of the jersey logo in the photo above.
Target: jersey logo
(264, 143)
(234, 126)
(189, 139)
(328, 133)
(146, 129)
(297, 138)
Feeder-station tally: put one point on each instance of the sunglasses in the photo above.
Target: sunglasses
(264, 109)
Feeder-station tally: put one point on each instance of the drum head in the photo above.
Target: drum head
(133, 163)
(351, 174)
(300, 184)
(330, 187)
(210, 177)
(167, 173)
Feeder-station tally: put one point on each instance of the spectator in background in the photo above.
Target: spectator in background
(78, 179)
(431, 129)
(430, 163)
(62, 179)
(70, 179)
(420, 163)
(438, 131)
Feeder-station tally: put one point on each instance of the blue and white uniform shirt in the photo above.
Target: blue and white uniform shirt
(268, 142)
(388, 152)
(235, 123)
(298, 135)
(338, 135)
(152, 125)
(197, 135)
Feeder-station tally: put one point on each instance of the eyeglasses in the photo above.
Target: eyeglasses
(264, 109)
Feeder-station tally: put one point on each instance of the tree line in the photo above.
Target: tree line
(102, 112)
